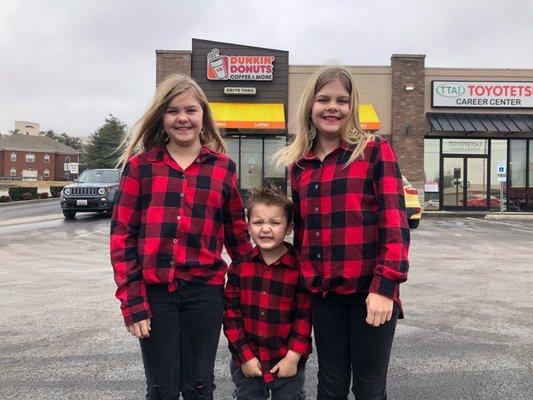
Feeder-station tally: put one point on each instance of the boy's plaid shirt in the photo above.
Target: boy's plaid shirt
(171, 224)
(351, 230)
(267, 310)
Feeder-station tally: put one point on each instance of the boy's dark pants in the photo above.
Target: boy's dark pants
(344, 342)
(179, 355)
(255, 389)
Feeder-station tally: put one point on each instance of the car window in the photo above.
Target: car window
(99, 176)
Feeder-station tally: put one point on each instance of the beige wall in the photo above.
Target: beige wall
(373, 85)
(27, 128)
(475, 74)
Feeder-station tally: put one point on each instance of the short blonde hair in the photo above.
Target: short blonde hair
(352, 133)
(149, 132)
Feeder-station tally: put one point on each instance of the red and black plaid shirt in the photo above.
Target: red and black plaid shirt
(171, 224)
(267, 310)
(351, 229)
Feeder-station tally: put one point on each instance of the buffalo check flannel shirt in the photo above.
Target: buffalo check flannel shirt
(267, 310)
(169, 223)
(351, 230)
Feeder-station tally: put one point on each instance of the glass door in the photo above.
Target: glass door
(453, 183)
(251, 163)
(464, 183)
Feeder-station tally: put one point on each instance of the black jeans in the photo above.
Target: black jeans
(179, 355)
(256, 389)
(346, 343)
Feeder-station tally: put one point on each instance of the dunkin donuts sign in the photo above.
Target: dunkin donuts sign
(239, 68)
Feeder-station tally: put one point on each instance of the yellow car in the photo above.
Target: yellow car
(412, 204)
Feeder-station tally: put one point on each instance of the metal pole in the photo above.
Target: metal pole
(501, 197)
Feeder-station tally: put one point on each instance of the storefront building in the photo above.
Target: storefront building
(464, 137)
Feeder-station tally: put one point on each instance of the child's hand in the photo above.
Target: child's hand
(140, 329)
(288, 366)
(252, 368)
(378, 309)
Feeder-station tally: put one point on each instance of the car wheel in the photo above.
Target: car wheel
(69, 214)
(413, 223)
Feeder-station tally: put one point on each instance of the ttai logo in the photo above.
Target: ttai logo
(450, 90)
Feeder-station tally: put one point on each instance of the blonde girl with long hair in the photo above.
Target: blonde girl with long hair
(351, 235)
(177, 206)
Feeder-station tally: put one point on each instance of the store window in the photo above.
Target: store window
(13, 157)
(251, 163)
(465, 146)
(530, 171)
(12, 172)
(30, 157)
(46, 173)
(274, 174)
(432, 173)
(233, 151)
(47, 158)
(498, 155)
(517, 176)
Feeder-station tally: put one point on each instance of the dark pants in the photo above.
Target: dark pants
(256, 389)
(346, 343)
(179, 355)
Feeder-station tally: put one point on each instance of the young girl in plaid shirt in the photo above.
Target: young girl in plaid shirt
(351, 235)
(177, 205)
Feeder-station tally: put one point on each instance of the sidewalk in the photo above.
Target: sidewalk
(478, 214)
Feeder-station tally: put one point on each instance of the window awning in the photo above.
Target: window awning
(249, 115)
(368, 118)
(498, 123)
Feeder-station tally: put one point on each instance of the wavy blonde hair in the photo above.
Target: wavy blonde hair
(149, 132)
(352, 133)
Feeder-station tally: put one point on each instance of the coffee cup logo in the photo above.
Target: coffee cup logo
(216, 63)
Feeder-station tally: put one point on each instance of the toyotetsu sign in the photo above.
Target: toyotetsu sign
(482, 94)
(239, 68)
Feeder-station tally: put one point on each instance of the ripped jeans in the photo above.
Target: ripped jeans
(179, 355)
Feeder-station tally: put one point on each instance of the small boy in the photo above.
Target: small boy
(268, 318)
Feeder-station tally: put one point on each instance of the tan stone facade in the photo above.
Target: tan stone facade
(170, 62)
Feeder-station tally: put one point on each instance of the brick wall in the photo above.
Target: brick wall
(408, 124)
(170, 62)
(20, 164)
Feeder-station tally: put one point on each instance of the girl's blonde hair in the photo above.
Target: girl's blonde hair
(149, 131)
(351, 133)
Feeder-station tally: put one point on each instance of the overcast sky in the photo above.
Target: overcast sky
(67, 64)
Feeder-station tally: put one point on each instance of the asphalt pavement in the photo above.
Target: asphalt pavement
(468, 332)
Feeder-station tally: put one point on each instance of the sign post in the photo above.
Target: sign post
(502, 178)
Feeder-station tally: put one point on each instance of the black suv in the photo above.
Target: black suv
(94, 191)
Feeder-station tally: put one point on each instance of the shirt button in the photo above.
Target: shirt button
(182, 194)
(319, 255)
(317, 234)
(178, 217)
(316, 209)
(316, 186)
(175, 241)
(172, 263)
(262, 313)
(264, 292)
(197, 160)
(183, 175)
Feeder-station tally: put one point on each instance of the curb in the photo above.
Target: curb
(524, 216)
(18, 202)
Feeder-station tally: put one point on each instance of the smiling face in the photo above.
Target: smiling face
(268, 226)
(183, 119)
(331, 107)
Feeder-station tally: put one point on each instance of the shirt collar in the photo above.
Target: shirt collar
(342, 146)
(160, 153)
(288, 259)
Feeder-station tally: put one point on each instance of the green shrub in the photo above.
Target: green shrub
(16, 192)
(56, 190)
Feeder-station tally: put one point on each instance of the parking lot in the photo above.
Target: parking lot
(468, 332)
